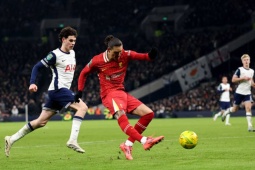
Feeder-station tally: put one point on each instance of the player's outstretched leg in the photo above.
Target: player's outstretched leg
(150, 142)
(216, 115)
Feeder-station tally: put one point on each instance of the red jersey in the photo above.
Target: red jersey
(111, 73)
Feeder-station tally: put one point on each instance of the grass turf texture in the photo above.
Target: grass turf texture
(219, 146)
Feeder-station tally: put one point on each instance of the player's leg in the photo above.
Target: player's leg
(217, 115)
(229, 111)
(225, 106)
(227, 120)
(41, 121)
(146, 115)
(220, 112)
(81, 109)
(237, 101)
(247, 105)
(116, 102)
(128, 129)
(65, 98)
(136, 107)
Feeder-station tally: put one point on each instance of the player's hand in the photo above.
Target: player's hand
(78, 96)
(33, 88)
(153, 53)
(246, 78)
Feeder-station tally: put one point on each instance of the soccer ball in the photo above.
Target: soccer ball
(188, 139)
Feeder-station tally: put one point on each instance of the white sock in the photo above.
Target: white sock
(249, 119)
(21, 133)
(129, 143)
(228, 111)
(217, 115)
(227, 119)
(143, 140)
(75, 128)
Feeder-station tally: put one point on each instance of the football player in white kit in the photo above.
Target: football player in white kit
(62, 63)
(225, 89)
(244, 77)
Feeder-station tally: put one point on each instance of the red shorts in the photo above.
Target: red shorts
(120, 100)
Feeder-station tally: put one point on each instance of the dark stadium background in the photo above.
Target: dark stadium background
(29, 31)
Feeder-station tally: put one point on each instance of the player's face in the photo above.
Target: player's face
(114, 53)
(68, 43)
(246, 62)
(224, 80)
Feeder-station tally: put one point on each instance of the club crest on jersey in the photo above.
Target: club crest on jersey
(120, 64)
(49, 56)
(70, 68)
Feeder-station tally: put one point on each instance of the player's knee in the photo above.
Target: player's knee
(118, 114)
(83, 108)
(150, 115)
(234, 109)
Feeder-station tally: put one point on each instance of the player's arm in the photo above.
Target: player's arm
(236, 77)
(33, 86)
(220, 89)
(46, 62)
(82, 79)
(252, 83)
(151, 55)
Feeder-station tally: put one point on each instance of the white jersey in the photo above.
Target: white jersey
(225, 95)
(62, 65)
(244, 87)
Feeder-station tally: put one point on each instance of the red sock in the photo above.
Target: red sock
(128, 129)
(142, 124)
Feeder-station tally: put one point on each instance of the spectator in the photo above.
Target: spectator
(14, 111)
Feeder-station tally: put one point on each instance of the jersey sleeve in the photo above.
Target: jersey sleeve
(35, 72)
(219, 89)
(49, 60)
(90, 67)
(133, 55)
(237, 73)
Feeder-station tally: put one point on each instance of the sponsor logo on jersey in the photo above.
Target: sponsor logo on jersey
(70, 68)
(107, 77)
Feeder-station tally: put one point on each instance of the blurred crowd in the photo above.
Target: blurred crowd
(208, 27)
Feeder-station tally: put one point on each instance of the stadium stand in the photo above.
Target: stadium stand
(204, 30)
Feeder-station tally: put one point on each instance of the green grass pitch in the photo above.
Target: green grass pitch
(219, 146)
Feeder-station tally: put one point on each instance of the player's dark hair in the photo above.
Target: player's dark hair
(111, 41)
(67, 31)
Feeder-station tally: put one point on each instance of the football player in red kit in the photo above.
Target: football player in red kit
(111, 66)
